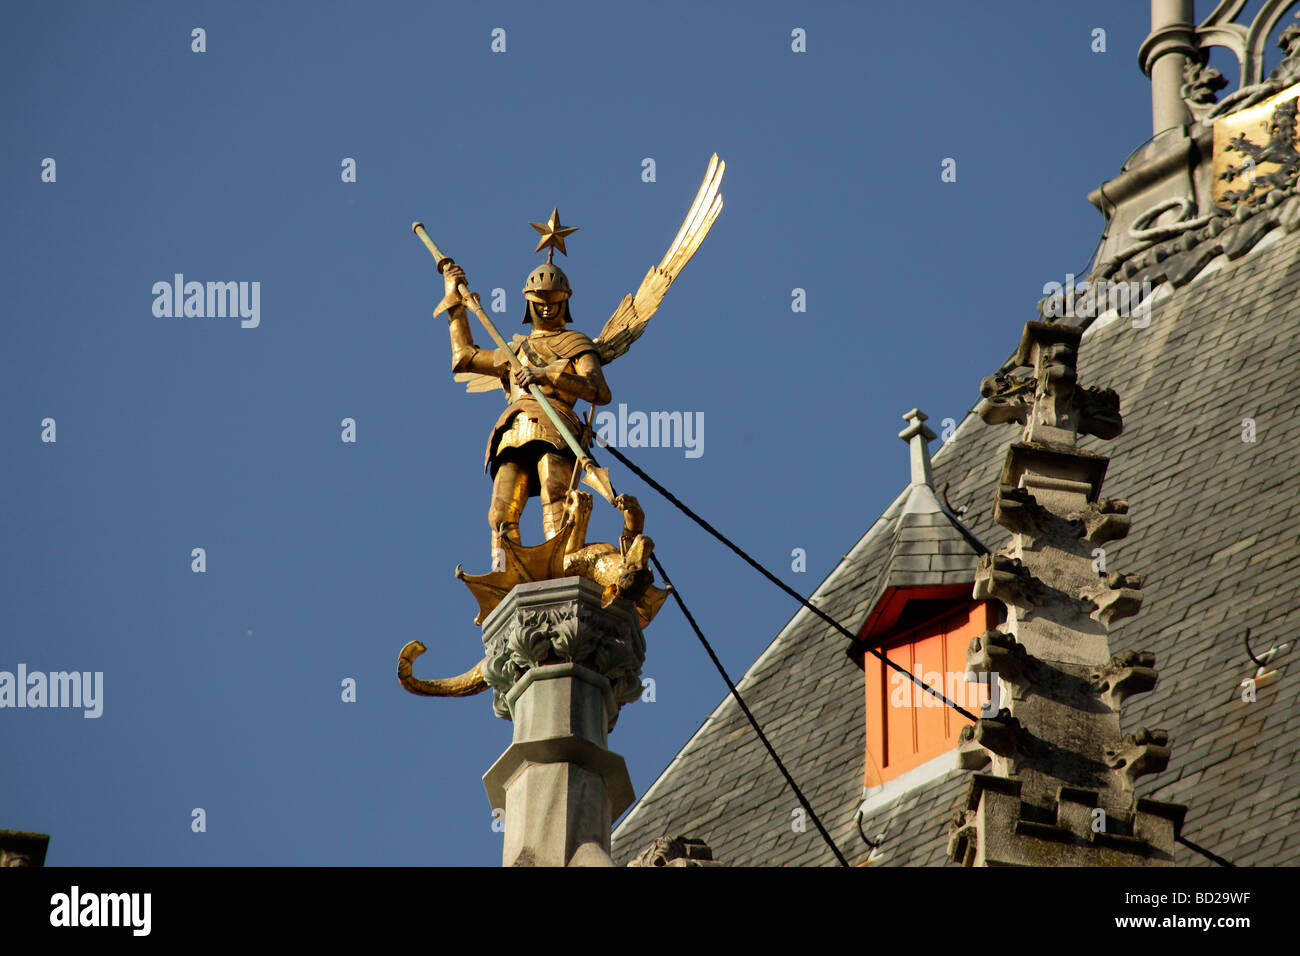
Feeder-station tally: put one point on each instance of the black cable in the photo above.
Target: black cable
(1214, 857)
(753, 722)
(779, 583)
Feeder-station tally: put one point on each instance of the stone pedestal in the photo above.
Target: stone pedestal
(560, 666)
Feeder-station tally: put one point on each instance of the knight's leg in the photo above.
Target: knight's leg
(555, 471)
(509, 494)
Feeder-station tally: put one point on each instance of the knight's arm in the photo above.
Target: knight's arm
(465, 355)
(585, 382)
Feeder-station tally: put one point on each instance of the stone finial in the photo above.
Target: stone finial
(918, 436)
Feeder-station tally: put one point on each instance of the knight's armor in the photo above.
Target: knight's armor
(523, 420)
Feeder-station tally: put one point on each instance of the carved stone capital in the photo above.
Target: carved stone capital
(562, 622)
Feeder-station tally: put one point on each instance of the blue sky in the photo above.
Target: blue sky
(221, 690)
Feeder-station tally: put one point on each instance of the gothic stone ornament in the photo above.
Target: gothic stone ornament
(540, 626)
(676, 851)
(1055, 754)
(1201, 84)
(1247, 44)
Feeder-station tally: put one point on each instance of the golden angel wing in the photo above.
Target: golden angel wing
(634, 312)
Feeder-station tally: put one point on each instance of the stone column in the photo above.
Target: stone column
(1169, 47)
(560, 667)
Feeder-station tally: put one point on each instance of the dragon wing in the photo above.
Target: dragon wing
(633, 313)
(478, 382)
(475, 382)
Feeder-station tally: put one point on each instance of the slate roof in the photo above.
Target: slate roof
(1216, 534)
(930, 546)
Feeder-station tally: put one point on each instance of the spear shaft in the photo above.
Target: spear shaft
(595, 476)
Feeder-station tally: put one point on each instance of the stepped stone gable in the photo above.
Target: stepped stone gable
(1216, 536)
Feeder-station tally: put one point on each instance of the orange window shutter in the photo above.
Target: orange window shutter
(907, 726)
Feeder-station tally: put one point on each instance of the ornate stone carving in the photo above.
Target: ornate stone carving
(1201, 84)
(1005, 578)
(675, 851)
(1139, 754)
(521, 636)
(1116, 596)
(998, 654)
(1105, 520)
(1006, 399)
(1098, 411)
(1016, 509)
(1127, 674)
(1050, 747)
(1255, 89)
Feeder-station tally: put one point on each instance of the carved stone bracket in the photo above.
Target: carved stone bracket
(1007, 399)
(1006, 579)
(1127, 674)
(1139, 754)
(971, 755)
(998, 654)
(1105, 520)
(1098, 412)
(675, 851)
(1116, 596)
(1000, 735)
(1016, 509)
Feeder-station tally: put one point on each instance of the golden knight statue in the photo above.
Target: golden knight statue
(533, 448)
(526, 455)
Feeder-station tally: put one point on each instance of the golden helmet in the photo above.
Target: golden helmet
(547, 283)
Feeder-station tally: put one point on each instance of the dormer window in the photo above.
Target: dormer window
(922, 618)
